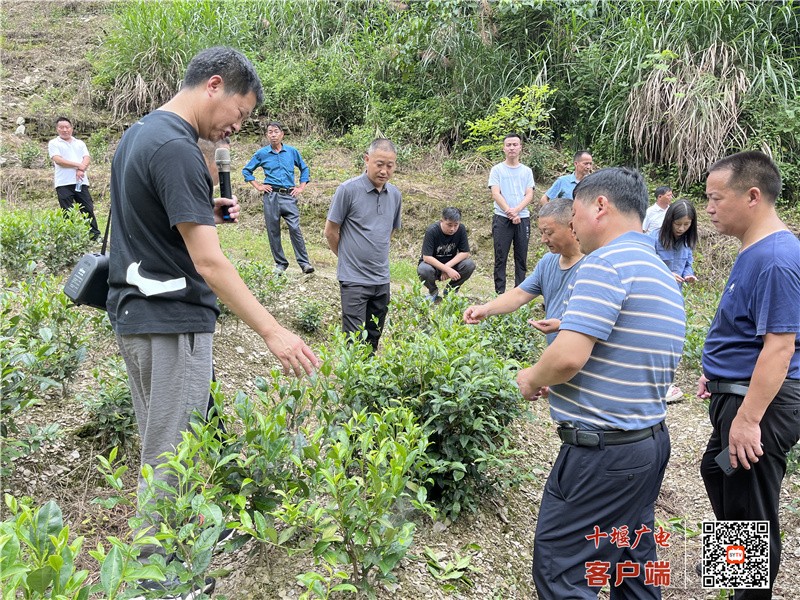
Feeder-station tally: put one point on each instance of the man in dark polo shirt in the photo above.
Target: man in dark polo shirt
(364, 212)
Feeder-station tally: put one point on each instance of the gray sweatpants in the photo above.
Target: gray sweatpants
(170, 378)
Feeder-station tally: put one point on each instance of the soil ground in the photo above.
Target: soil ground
(44, 45)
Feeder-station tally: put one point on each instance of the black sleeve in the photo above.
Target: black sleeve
(463, 242)
(429, 242)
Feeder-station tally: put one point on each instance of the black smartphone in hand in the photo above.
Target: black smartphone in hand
(723, 459)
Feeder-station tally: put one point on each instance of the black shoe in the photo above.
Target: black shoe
(161, 590)
(280, 270)
(307, 269)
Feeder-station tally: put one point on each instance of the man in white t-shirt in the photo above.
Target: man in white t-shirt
(512, 185)
(71, 159)
(654, 216)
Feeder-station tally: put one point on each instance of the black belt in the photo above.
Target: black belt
(282, 190)
(739, 388)
(610, 437)
(728, 386)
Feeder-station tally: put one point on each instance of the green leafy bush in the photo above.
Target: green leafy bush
(262, 281)
(449, 375)
(111, 420)
(29, 153)
(525, 113)
(50, 238)
(310, 315)
(46, 323)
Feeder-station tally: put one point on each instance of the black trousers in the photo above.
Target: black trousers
(753, 495)
(365, 306)
(67, 196)
(505, 233)
(607, 488)
(430, 275)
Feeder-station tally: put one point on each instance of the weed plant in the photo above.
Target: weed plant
(29, 153)
(111, 421)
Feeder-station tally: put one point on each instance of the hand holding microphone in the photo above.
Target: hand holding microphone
(222, 156)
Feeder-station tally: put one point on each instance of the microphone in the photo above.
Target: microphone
(222, 156)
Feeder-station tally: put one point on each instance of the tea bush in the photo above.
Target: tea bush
(262, 281)
(458, 387)
(50, 238)
(111, 421)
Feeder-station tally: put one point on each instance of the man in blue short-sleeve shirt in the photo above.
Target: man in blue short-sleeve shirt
(364, 212)
(608, 371)
(751, 357)
(551, 278)
(564, 186)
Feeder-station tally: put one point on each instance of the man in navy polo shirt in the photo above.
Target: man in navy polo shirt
(278, 161)
(751, 358)
(608, 370)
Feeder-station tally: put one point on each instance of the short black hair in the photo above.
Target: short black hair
(513, 134)
(624, 187)
(59, 119)
(277, 124)
(751, 169)
(662, 189)
(237, 72)
(451, 213)
(580, 153)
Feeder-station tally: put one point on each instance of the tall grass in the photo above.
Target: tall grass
(657, 81)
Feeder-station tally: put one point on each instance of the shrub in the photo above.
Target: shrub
(111, 419)
(50, 238)
(525, 113)
(29, 153)
(449, 375)
(310, 315)
(262, 281)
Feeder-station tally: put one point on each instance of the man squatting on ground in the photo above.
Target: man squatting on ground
(167, 267)
(511, 184)
(608, 370)
(551, 278)
(364, 212)
(751, 357)
(445, 254)
(70, 161)
(278, 161)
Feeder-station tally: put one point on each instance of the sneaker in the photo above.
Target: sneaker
(307, 269)
(674, 394)
(433, 298)
(280, 270)
(160, 590)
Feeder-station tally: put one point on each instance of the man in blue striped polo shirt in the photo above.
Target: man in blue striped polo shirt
(608, 370)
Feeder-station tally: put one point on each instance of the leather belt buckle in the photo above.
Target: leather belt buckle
(568, 435)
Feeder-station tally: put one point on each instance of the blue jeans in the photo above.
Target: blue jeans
(278, 205)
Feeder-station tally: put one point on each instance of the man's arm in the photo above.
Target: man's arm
(223, 279)
(332, 234)
(768, 376)
(505, 303)
(305, 173)
(69, 164)
(527, 199)
(544, 199)
(457, 259)
(560, 362)
(497, 196)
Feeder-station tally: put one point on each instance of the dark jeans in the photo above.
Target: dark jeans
(504, 233)
(430, 276)
(615, 486)
(67, 196)
(365, 306)
(753, 495)
(278, 205)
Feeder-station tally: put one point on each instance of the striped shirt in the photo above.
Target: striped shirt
(625, 297)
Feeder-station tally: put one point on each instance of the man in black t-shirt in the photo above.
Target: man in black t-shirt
(445, 254)
(166, 267)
